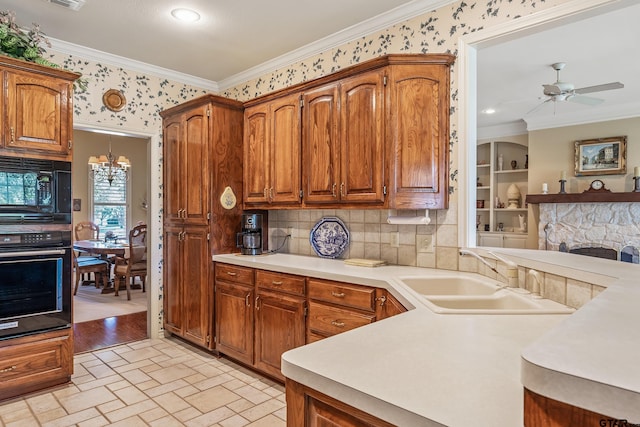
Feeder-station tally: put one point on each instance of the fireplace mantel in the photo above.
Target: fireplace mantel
(586, 197)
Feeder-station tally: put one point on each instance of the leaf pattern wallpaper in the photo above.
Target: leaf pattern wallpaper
(147, 94)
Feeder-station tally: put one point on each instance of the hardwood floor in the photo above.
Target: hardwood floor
(97, 334)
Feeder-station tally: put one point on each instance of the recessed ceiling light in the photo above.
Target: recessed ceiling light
(489, 111)
(185, 15)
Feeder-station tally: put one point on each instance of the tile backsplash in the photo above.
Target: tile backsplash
(433, 245)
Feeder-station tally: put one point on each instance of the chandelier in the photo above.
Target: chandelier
(107, 168)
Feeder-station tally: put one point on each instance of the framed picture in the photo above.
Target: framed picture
(603, 156)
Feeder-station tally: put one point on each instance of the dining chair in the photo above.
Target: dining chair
(99, 267)
(133, 264)
(87, 230)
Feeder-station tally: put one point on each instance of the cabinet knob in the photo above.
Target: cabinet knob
(257, 299)
(342, 189)
(276, 282)
(247, 301)
(13, 136)
(231, 273)
(9, 369)
(333, 190)
(69, 145)
(337, 294)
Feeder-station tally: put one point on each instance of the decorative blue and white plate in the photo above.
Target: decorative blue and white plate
(329, 237)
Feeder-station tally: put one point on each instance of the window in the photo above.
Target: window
(109, 208)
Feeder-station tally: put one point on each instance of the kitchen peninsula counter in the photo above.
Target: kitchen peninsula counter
(420, 368)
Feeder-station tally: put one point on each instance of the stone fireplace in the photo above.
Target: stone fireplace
(613, 225)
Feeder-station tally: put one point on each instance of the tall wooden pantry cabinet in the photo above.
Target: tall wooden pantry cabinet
(202, 154)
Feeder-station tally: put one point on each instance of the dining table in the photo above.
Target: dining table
(103, 250)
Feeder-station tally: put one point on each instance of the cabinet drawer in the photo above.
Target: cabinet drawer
(361, 297)
(233, 273)
(330, 320)
(280, 282)
(35, 362)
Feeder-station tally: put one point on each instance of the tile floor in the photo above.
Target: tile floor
(160, 382)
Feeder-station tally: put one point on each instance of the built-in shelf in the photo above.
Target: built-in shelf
(512, 171)
(484, 187)
(586, 197)
(484, 165)
(512, 209)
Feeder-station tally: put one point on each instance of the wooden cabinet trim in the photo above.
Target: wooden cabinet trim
(382, 61)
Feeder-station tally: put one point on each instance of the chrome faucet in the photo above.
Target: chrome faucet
(512, 267)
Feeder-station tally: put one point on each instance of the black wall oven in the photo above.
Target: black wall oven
(35, 282)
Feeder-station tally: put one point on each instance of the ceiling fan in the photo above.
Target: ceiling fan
(564, 91)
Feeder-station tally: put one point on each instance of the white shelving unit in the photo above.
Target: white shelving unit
(500, 226)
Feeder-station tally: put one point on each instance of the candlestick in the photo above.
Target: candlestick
(636, 180)
(636, 171)
(562, 182)
(545, 188)
(563, 175)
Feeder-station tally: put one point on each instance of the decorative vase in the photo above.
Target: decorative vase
(500, 162)
(526, 161)
(513, 197)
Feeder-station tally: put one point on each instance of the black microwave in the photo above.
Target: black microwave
(34, 191)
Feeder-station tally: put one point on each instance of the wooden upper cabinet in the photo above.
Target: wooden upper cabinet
(320, 151)
(343, 141)
(374, 135)
(362, 138)
(39, 111)
(418, 120)
(186, 166)
(272, 153)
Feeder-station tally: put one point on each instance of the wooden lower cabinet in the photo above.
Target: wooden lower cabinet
(234, 316)
(336, 307)
(255, 324)
(279, 327)
(310, 408)
(35, 362)
(261, 314)
(540, 411)
(187, 301)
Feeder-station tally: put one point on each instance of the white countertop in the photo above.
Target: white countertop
(422, 368)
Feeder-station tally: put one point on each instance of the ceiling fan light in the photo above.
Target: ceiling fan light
(185, 15)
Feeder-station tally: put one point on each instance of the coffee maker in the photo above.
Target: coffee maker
(249, 240)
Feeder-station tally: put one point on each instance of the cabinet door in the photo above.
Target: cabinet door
(362, 162)
(172, 284)
(195, 166)
(284, 143)
(419, 132)
(256, 155)
(321, 167)
(279, 324)
(186, 167)
(172, 135)
(196, 286)
(234, 320)
(38, 113)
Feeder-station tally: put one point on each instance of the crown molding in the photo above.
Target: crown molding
(505, 129)
(603, 114)
(131, 64)
(384, 20)
(380, 22)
